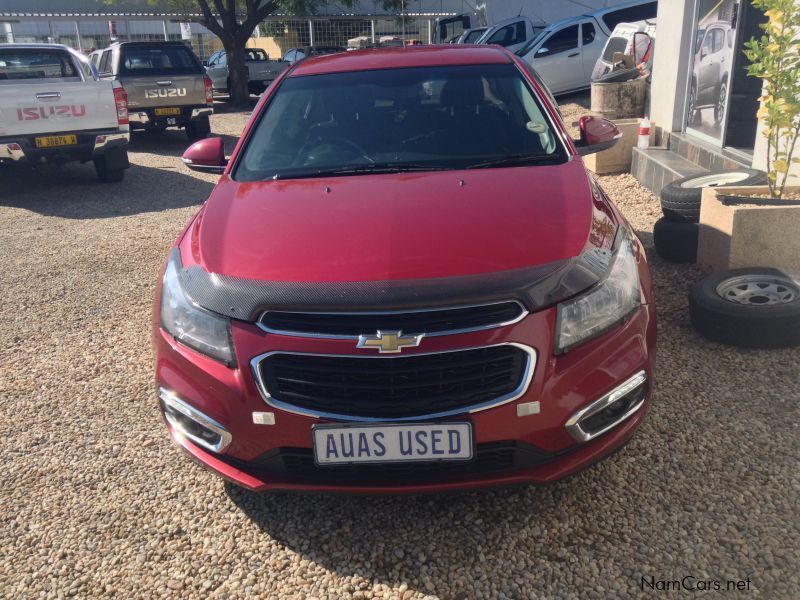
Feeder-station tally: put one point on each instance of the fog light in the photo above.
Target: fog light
(193, 424)
(610, 410)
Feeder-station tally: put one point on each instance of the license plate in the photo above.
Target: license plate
(51, 141)
(162, 112)
(431, 442)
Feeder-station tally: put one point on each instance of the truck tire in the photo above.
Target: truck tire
(198, 129)
(618, 76)
(753, 308)
(110, 167)
(680, 200)
(676, 242)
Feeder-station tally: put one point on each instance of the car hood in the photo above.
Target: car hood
(393, 227)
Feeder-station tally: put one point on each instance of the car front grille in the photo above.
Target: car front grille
(430, 322)
(298, 464)
(395, 388)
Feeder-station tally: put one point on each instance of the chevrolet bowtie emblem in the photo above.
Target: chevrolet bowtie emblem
(389, 342)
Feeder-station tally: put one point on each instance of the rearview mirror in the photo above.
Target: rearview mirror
(596, 135)
(206, 156)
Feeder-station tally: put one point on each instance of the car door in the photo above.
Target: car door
(218, 70)
(706, 78)
(593, 40)
(557, 59)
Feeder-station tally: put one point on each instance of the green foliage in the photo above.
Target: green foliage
(775, 58)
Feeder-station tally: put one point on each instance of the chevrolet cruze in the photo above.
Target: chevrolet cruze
(405, 280)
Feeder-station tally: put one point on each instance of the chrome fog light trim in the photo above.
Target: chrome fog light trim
(177, 411)
(573, 425)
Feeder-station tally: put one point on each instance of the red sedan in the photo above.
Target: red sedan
(404, 281)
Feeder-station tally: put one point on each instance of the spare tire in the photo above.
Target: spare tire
(680, 200)
(618, 76)
(754, 308)
(676, 242)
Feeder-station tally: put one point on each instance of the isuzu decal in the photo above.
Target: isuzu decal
(163, 93)
(64, 111)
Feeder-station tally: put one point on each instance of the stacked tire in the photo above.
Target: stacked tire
(675, 234)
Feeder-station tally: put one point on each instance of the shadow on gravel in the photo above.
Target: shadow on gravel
(73, 191)
(423, 540)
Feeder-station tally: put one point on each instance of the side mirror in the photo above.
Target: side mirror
(543, 51)
(596, 135)
(703, 51)
(641, 40)
(205, 63)
(206, 156)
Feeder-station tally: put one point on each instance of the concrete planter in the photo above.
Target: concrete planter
(623, 100)
(738, 232)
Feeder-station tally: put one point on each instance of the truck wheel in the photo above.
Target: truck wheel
(722, 98)
(692, 114)
(754, 308)
(680, 199)
(198, 129)
(110, 167)
(676, 242)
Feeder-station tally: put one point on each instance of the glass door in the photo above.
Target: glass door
(715, 47)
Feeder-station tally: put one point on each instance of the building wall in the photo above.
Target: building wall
(670, 64)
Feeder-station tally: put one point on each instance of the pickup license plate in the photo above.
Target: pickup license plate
(380, 443)
(52, 141)
(163, 112)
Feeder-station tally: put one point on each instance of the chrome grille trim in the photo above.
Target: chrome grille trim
(517, 393)
(523, 312)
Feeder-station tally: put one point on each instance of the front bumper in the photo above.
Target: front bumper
(562, 386)
(91, 144)
(147, 118)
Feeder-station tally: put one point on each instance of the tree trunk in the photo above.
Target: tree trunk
(237, 72)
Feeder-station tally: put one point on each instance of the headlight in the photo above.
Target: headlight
(604, 306)
(191, 325)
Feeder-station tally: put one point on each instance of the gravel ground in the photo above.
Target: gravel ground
(95, 501)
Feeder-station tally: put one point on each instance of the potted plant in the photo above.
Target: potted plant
(751, 226)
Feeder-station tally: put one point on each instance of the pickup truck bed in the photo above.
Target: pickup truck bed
(54, 109)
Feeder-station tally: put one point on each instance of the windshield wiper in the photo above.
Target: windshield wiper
(368, 169)
(517, 160)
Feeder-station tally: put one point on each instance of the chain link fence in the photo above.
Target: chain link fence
(275, 35)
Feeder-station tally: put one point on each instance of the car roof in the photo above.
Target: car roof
(401, 57)
(620, 6)
(37, 46)
(151, 43)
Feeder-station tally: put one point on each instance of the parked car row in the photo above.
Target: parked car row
(565, 53)
(261, 69)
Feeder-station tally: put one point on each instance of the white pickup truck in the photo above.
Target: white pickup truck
(54, 108)
(261, 70)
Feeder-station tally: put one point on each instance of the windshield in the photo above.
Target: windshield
(396, 120)
(34, 63)
(158, 60)
(614, 44)
(473, 36)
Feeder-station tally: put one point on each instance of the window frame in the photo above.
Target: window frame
(551, 52)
